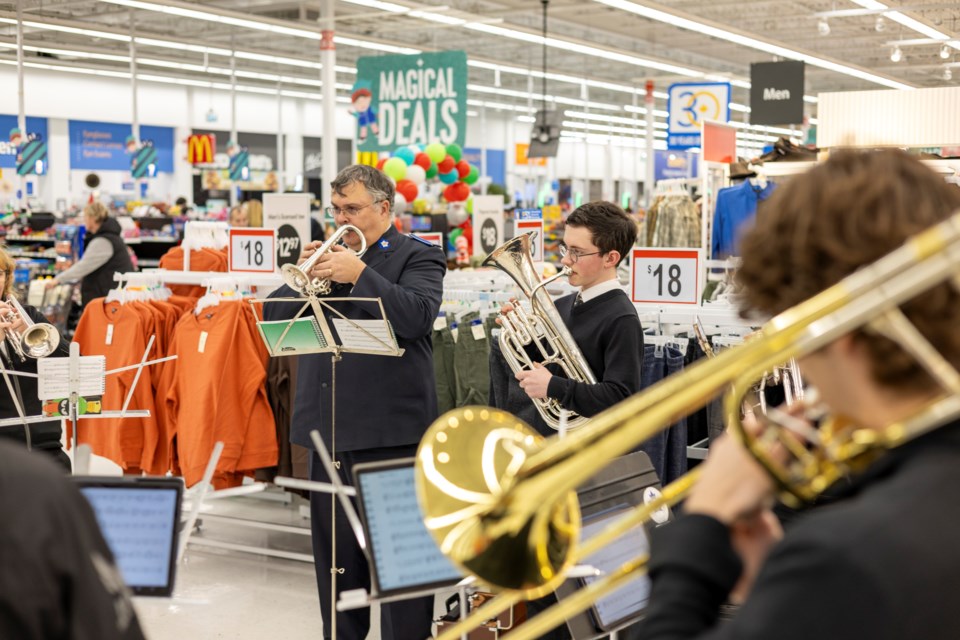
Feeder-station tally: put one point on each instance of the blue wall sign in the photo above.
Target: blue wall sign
(102, 146)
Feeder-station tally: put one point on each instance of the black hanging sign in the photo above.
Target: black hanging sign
(776, 92)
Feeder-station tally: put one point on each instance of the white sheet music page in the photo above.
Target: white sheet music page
(54, 375)
(365, 335)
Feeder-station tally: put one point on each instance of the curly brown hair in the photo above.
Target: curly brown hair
(844, 214)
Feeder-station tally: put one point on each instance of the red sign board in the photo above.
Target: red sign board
(719, 142)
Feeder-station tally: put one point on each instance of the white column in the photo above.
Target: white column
(281, 186)
(21, 109)
(648, 166)
(56, 184)
(328, 58)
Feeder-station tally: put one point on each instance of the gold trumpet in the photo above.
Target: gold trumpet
(35, 340)
(502, 505)
(299, 279)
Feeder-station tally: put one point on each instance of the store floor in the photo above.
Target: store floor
(226, 593)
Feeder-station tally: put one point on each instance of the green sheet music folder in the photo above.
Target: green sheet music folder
(304, 336)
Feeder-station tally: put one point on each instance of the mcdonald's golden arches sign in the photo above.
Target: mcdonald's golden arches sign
(201, 148)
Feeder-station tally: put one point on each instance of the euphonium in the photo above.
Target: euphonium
(35, 340)
(543, 328)
(502, 505)
(298, 278)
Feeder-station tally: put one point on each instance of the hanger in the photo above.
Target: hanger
(218, 290)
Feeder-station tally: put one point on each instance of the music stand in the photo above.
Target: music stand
(312, 334)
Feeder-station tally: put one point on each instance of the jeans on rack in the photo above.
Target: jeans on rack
(443, 370)
(471, 352)
(667, 449)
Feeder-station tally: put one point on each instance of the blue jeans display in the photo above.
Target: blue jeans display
(667, 449)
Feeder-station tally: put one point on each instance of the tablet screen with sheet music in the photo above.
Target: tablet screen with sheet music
(140, 520)
(404, 557)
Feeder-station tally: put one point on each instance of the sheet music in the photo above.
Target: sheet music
(353, 338)
(629, 600)
(404, 552)
(54, 381)
(138, 526)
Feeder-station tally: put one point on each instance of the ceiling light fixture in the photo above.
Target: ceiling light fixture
(945, 52)
(947, 74)
(679, 20)
(880, 24)
(897, 55)
(823, 27)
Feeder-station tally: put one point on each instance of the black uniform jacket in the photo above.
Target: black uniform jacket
(882, 562)
(382, 401)
(44, 435)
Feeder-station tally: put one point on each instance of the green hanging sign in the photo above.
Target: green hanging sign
(401, 100)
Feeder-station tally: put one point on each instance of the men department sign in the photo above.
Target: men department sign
(418, 99)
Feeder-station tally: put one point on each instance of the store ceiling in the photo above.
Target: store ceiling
(862, 36)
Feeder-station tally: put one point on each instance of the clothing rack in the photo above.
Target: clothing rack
(203, 234)
(675, 186)
(198, 278)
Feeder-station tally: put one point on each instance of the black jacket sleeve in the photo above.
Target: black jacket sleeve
(623, 362)
(413, 302)
(806, 589)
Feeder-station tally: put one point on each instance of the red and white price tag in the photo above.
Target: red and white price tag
(253, 250)
(435, 237)
(666, 276)
(536, 243)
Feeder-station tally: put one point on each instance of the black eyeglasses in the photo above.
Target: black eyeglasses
(575, 255)
(349, 211)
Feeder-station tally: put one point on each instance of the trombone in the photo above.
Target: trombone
(501, 503)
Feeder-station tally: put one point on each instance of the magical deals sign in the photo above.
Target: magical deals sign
(418, 99)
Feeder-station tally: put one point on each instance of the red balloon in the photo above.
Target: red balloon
(407, 189)
(456, 192)
(463, 169)
(381, 162)
(463, 191)
(423, 160)
(446, 165)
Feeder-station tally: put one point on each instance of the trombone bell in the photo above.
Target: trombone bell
(462, 509)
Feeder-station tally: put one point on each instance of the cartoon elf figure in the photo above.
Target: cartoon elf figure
(366, 114)
(16, 139)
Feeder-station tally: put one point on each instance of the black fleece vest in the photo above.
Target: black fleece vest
(99, 283)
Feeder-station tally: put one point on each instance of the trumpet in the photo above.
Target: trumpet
(298, 277)
(501, 503)
(543, 328)
(35, 340)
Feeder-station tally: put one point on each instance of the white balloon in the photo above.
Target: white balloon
(399, 204)
(416, 174)
(456, 214)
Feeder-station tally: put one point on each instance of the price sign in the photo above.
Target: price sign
(487, 224)
(536, 241)
(253, 249)
(433, 237)
(670, 276)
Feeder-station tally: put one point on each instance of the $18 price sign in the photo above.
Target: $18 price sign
(253, 249)
(666, 276)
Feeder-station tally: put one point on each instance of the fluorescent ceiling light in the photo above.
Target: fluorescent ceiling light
(677, 20)
(577, 47)
(905, 20)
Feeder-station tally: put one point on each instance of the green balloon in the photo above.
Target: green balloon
(396, 168)
(455, 152)
(472, 177)
(469, 204)
(436, 151)
(432, 171)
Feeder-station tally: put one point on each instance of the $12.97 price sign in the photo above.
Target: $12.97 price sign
(253, 250)
(666, 276)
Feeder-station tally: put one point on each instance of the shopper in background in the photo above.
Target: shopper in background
(105, 253)
(254, 210)
(384, 404)
(238, 217)
(601, 318)
(58, 578)
(875, 563)
(38, 436)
